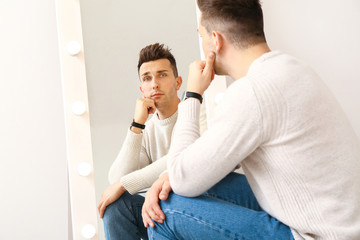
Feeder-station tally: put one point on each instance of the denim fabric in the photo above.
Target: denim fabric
(228, 210)
(122, 219)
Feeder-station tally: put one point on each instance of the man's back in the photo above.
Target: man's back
(307, 161)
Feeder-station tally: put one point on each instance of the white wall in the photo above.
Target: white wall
(34, 196)
(326, 35)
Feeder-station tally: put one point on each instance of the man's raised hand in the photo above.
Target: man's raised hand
(144, 107)
(201, 73)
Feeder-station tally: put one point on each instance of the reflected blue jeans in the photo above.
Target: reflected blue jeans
(122, 219)
(228, 210)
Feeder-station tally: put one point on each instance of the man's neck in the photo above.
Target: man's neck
(169, 110)
(241, 59)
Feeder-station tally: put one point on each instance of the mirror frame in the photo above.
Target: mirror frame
(77, 123)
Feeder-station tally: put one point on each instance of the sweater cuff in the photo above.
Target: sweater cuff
(189, 110)
(133, 140)
(132, 186)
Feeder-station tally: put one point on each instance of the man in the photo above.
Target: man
(143, 155)
(279, 121)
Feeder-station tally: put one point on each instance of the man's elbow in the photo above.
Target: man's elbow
(185, 188)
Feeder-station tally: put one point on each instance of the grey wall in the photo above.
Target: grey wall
(34, 196)
(326, 35)
(114, 32)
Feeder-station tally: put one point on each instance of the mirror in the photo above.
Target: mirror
(114, 32)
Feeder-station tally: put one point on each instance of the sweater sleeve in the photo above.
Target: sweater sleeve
(145, 177)
(128, 160)
(197, 163)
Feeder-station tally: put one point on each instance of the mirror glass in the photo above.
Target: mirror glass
(114, 32)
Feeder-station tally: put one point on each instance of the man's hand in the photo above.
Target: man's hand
(144, 107)
(151, 209)
(110, 195)
(201, 73)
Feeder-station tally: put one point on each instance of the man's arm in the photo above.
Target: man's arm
(145, 177)
(197, 163)
(129, 157)
(132, 152)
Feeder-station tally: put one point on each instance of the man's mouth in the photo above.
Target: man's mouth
(156, 94)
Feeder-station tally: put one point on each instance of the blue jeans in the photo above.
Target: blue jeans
(122, 219)
(228, 210)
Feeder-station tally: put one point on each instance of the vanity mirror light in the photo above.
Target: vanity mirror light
(78, 138)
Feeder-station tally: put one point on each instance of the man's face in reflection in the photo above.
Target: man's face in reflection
(158, 82)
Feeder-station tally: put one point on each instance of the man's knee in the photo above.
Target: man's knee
(119, 209)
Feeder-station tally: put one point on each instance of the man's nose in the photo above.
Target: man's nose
(155, 83)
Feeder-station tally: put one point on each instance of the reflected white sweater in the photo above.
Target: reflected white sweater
(142, 157)
(293, 141)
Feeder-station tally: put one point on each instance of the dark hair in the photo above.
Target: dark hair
(241, 21)
(154, 52)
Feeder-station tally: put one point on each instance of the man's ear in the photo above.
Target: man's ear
(178, 82)
(141, 90)
(218, 39)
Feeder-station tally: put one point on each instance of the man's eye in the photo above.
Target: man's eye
(163, 75)
(147, 78)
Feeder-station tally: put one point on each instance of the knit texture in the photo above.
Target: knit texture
(142, 157)
(293, 141)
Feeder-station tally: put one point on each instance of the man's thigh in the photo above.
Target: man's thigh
(210, 218)
(234, 188)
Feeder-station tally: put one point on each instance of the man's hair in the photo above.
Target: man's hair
(241, 21)
(154, 52)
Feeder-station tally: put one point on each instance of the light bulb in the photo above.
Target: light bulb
(73, 48)
(88, 231)
(84, 169)
(78, 108)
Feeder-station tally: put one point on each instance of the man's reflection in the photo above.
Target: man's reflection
(142, 157)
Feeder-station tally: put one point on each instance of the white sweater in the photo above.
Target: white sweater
(142, 157)
(293, 141)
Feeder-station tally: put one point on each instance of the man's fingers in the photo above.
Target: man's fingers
(147, 218)
(101, 210)
(165, 191)
(159, 213)
(208, 70)
(154, 215)
(151, 107)
(153, 209)
(100, 205)
(103, 207)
